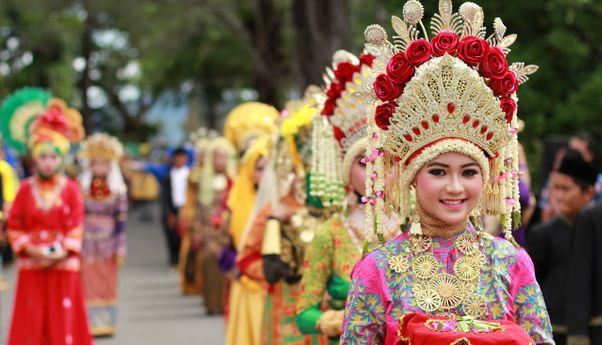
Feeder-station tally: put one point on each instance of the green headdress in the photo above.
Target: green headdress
(17, 114)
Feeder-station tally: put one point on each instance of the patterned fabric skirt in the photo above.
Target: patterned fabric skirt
(279, 326)
(214, 284)
(189, 267)
(99, 276)
(49, 309)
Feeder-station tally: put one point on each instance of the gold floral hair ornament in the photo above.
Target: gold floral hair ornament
(296, 129)
(101, 146)
(339, 136)
(432, 96)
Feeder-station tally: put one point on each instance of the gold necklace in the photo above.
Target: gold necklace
(439, 292)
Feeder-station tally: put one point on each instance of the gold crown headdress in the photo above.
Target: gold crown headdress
(249, 120)
(101, 146)
(341, 135)
(454, 93)
(202, 137)
(209, 185)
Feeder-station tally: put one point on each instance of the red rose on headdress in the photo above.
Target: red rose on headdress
(329, 106)
(418, 52)
(338, 133)
(367, 59)
(335, 90)
(53, 119)
(508, 106)
(399, 68)
(445, 42)
(472, 50)
(383, 114)
(495, 64)
(386, 89)
(345, 70)
(506, 85)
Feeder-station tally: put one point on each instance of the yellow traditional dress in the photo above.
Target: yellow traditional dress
(247, 297)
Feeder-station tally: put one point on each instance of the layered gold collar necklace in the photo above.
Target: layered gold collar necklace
(435, 290)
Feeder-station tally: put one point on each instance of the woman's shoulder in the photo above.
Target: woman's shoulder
(27, 182)
(330, 225)
(380, 255)
(501, 249)
(71, 185)
(324, 232)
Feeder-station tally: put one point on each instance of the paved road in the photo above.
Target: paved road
(151, 308)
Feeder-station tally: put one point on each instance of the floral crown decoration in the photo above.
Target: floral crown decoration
(340, 135)
(454, 93)
(22, 126)
(101, 146)
(59, 125)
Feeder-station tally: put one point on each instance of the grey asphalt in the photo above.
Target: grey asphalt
(152, 309)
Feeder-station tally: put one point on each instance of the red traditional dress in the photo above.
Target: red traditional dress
(49, 306)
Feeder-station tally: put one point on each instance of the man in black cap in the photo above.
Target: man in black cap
(584, 308)
(572, 190)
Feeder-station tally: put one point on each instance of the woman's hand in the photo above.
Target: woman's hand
(35, 252)
(44, 257)
(331, 323)
(282, 212)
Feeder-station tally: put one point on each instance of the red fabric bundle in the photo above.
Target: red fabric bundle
(419, 329)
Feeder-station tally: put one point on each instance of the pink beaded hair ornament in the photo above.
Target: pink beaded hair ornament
(340, 134)
(454, 93)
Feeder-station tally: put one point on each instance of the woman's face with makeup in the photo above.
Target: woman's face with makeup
(449, 187)
(358, 175)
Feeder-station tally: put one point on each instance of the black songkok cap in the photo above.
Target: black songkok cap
(579, 169)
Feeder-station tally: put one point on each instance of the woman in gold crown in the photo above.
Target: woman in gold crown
(276, 239)
(337, 177)
(446, 112)
(247, 294)
(104, 245)
(216, 179)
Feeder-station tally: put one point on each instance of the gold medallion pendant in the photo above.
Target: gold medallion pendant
(467, 268)
(428, 300)
(399, 263)
(475, 306)
(420, 244)
(449, 289)
(425, 266)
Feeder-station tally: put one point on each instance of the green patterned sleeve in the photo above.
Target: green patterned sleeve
(317, 270)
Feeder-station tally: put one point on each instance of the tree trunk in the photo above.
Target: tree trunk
(85, 82)
(321, 28)
(267, 37)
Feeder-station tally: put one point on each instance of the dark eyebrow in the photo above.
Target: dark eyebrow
(447, 166)
(438, 164)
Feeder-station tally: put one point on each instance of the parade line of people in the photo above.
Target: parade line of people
(377, 209)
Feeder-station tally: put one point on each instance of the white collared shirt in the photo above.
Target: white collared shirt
(179, 182)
